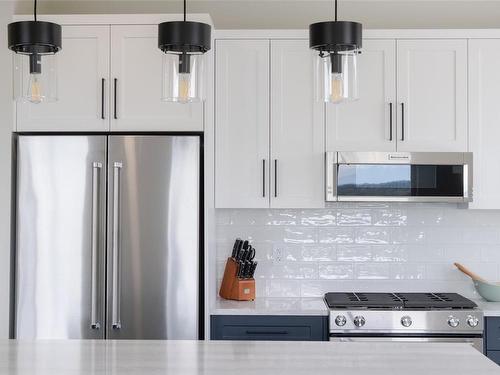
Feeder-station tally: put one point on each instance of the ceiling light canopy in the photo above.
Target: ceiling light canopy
(35, 44)
(184, 43)
(338, 43)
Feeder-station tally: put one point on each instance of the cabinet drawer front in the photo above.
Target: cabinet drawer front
(494, 355)
(231, 332)
(492, 334)
(269, 328)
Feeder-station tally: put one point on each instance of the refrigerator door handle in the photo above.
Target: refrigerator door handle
(96, 169)
(116, 324)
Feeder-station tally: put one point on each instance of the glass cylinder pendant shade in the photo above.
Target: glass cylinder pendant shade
(336, 77)
(35, 78)
(35, 45)
(337, 44)
(183, 78)
(184, 44)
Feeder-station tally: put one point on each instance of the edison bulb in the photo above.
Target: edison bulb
(184, 87)
(337, 87)
(34, 94)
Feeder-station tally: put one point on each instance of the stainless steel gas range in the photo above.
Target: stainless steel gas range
(437, 317)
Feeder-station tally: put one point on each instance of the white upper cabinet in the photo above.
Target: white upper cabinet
(242, 124)
(484, 115)
(297, 128)
(83, 71)
(368, 124)
(136, 70)
(432, 95)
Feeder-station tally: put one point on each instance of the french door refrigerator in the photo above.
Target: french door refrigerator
(108, 237)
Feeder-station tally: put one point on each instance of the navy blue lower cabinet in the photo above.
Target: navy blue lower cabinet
(269, 327)
(492, 338)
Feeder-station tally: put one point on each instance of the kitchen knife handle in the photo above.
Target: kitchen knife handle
(402, 121)
(103, 81)
(263, 178)
(115, 308)
(275, 178)
(96, 170)
(115, 100)
(390, 121)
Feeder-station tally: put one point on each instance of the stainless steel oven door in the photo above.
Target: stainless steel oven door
(476, 342)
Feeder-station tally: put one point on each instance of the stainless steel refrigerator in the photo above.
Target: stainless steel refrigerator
(108, 237)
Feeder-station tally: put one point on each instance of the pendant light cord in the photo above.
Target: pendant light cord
(34, 9)
(184, 10)
(335, 10)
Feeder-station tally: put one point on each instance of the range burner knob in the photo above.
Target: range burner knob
(340, 320)
(472, 321)
(359, 321)
(453, 322)
(406, 321)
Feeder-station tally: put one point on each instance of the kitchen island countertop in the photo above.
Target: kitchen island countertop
(238, 357)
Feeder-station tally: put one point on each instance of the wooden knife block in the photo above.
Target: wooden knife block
(235, 288)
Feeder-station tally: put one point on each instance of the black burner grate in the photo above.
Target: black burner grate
(398, 300)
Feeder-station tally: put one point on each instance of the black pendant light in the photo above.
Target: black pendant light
(184, 43)
(35, 44)
(337, 43)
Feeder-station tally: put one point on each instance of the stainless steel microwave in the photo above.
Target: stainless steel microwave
(399, 176)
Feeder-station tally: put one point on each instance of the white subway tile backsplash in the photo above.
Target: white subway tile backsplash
(318, 253)
(363, 246)
(336, 235)
(354, 253)
(336, 271)
(372, 271)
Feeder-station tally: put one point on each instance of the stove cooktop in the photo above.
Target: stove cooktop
(398, 301)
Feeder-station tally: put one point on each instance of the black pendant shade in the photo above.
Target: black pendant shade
(184, 36)
(335, 36)
(34, 37)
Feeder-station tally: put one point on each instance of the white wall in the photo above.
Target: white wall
(297, 14)
(365, 247)
(6, 11)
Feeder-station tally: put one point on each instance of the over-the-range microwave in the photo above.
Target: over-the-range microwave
(399, 177)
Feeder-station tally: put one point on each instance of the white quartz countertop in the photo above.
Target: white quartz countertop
(489, 308)
(238, 357)
(271, 306)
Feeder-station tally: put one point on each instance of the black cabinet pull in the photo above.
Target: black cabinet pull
(115, 89)
(390, 121)
(402, 121)
(263, 177)
(275, 178)
(102, 98)
(266, 332)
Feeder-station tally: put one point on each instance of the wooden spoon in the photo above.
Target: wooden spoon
(469, 273)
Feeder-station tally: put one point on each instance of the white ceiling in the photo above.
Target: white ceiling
(294, 14)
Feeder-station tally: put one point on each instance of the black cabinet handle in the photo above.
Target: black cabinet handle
(275, 178)
(263, 177)
(390, 121)
(115, 89)
(266, 332)
(402, 121)
(102, 98)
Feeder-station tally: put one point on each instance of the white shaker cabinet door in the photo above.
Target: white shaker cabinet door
(136, 72)
(432, 92)
(242, 124)
(83, 84)
(484, 115)
(297, 128)
(369, 123)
